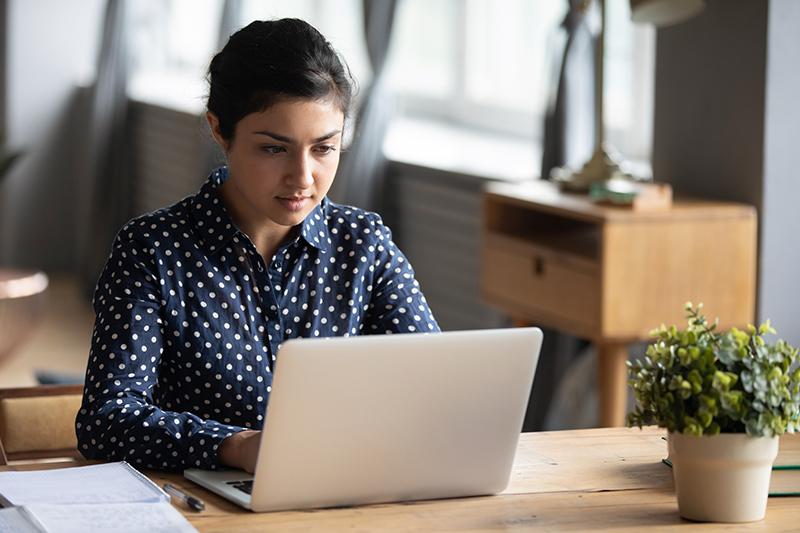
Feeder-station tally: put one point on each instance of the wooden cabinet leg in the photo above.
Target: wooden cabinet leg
(612, 383)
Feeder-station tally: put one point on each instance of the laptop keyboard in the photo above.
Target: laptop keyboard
(244, 486)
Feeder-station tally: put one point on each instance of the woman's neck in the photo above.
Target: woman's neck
(264, 233)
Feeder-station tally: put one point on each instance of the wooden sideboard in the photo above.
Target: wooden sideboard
(610, 274)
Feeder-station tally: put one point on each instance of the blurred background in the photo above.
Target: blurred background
(104, 101)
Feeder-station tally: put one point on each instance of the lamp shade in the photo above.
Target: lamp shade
(664, 12)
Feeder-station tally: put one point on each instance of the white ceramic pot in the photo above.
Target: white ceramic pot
(724, 478)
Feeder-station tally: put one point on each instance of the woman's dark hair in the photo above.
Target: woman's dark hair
(269, 60)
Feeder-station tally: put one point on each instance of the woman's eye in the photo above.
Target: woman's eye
(326, 149)
(272, 149)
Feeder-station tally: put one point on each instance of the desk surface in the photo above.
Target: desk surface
(598, 479)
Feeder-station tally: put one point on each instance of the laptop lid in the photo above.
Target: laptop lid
(357, 420)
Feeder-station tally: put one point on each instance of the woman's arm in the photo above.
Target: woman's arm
(397, 304)
(240, 450)
(118, 419)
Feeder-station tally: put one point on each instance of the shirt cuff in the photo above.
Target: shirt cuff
(204, 448)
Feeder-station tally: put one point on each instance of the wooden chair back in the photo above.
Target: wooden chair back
(39, 422)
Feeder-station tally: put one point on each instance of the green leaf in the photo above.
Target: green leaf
(700, 381)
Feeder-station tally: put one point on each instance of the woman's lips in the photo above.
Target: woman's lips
(294, 203)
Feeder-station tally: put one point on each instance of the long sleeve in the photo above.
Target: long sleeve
(397, 304)
(118, 419)
(190, 318)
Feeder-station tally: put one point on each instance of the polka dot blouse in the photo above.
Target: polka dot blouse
(189, 320)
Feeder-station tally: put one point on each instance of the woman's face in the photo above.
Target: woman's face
(282, 161)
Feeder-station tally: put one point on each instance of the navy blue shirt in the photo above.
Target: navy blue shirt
(190, 317)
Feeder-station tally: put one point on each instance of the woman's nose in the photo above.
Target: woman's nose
(301, 173)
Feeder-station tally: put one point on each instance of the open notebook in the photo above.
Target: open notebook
(113, 497)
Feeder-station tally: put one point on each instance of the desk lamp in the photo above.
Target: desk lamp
(605, 161)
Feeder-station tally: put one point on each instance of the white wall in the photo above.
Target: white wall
(779, 282)
(727, 112)
(51, 46)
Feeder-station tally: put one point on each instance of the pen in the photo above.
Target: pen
(195, 503)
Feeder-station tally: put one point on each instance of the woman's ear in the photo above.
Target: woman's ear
(213, 123)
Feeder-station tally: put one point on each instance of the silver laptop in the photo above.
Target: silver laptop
(387, 418)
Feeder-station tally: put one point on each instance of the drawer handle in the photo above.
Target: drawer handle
(538, 266)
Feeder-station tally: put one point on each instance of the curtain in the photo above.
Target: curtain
(569, 120)
(108, 186)
(568, 141)
(229, 21)
(361, 174)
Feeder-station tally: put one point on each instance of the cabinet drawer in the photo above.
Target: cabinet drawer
(557, 288)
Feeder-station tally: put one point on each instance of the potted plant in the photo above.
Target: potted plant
(724, 398)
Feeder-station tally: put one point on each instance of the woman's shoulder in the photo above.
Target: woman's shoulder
(148, 228)
(350, 219)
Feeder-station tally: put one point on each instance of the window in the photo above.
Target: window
(173, 41)
(484, 64)
(629, 82)
(481, 64)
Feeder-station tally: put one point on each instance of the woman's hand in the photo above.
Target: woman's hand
(240, 450)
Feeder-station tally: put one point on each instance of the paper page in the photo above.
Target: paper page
(103, 483)
(13, 520)
(111, 518)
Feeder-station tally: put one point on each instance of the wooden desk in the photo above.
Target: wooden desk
(610, 274)
(598, 479)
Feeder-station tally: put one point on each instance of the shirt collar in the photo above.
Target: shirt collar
(216, 228)
(315, 227)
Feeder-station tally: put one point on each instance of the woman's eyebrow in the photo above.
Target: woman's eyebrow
(289, 140)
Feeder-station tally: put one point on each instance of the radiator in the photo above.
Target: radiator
(436, 218)
(174, 154)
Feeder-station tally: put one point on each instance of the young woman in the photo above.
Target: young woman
(196, 298)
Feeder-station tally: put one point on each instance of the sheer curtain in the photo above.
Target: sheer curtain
(108, 187)
(229, 21)
(362, 170)
(569, 120)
